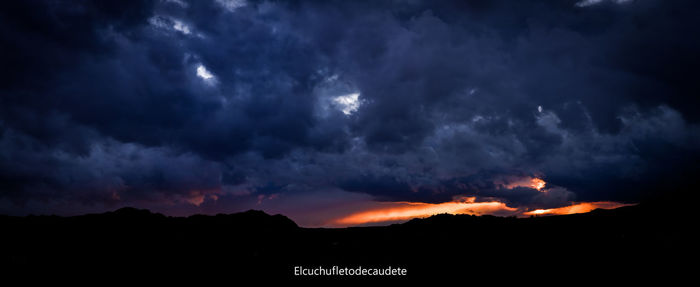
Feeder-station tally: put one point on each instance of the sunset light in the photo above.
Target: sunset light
(577, 208)
(538, 184)
(400, 211)
(514, 139)
(407, 210)
(529, 182)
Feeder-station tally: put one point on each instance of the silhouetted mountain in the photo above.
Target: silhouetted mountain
(618, 243)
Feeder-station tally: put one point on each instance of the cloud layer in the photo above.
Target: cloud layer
(225, 105)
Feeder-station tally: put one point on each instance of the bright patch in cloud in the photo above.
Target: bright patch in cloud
(170, 24)
(531, 182)
(349, 103)
(231, 5)
(203, 73)
(586, 3)
(181, 27)
(537, 183)
(197, 197)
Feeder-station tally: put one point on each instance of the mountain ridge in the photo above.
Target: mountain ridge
(254, 244)
(129, 212)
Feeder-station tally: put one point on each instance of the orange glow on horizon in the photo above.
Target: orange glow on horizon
(582, 207)
(407, 210)
(399, 211)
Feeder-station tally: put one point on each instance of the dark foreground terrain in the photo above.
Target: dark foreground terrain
(629, 242)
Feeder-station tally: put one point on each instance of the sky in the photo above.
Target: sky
(343, 113)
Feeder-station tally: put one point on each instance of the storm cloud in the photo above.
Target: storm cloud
(227, 103)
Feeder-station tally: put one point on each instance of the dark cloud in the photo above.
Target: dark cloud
(183, 101)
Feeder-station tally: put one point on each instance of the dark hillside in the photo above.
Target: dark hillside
(622, 242)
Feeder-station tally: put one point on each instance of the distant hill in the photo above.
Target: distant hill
(255, 244)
